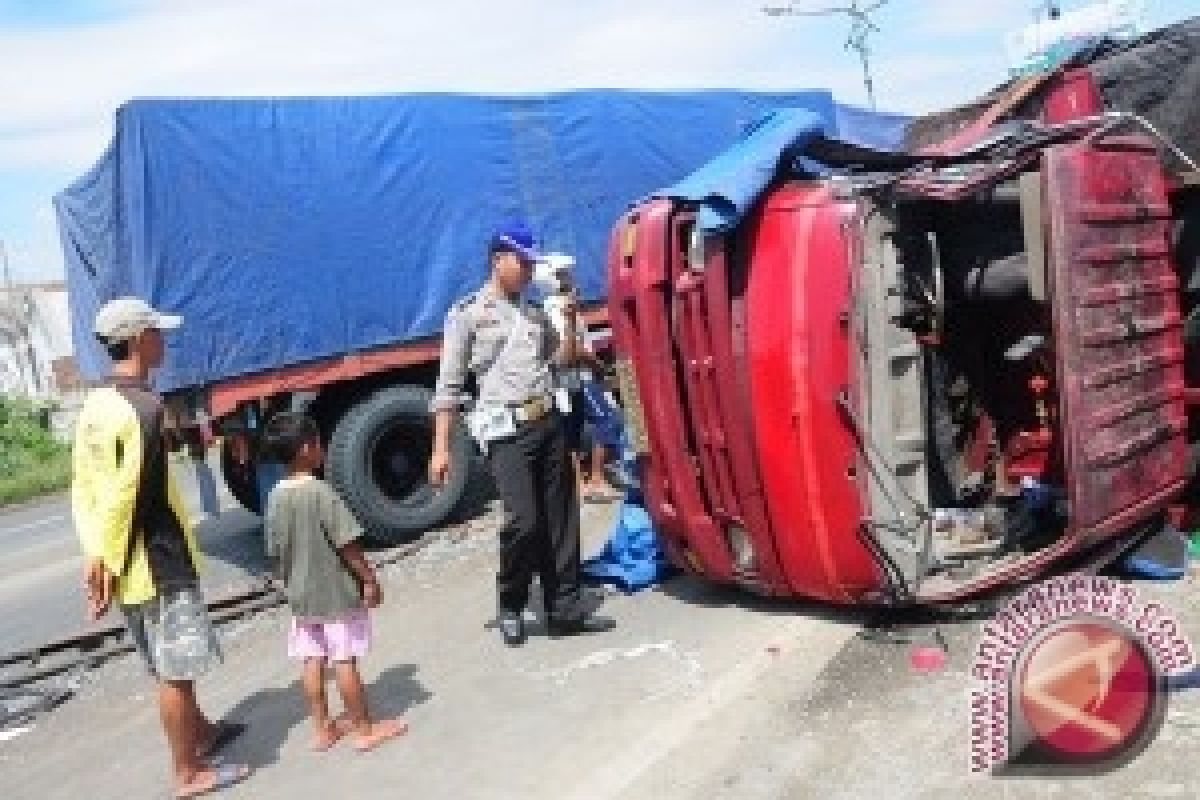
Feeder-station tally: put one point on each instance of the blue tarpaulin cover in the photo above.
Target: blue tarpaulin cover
(727, 186)
(287, 230)
(1161, 557)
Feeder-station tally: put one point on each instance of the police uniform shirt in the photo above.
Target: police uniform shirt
(476, 340)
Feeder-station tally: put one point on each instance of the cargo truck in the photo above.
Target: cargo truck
(314, 246)
(914, 377)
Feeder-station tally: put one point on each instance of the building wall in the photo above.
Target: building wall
(35, 340)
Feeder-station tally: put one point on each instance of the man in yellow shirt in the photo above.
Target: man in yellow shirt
(138, 543)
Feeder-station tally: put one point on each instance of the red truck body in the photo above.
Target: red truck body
(783, 409)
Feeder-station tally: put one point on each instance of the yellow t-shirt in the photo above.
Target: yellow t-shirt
(127, 508)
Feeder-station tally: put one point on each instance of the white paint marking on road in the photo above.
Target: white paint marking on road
(29, 526)
(822, 639)
(687, 663)
(12, 733)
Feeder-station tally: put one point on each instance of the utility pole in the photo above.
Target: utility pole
(1051, 8)
(19, 307)
(9, 324)
(8, 281)
(861, 26)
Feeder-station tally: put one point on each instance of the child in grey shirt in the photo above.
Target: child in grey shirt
(313, 545)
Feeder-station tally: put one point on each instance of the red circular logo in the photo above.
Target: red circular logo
(1087, 689)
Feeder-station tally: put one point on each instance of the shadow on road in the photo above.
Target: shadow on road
(699, 592)
(234, 537)
(271, 714)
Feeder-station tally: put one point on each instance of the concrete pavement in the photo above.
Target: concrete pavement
(870, 726)
(583, 717)
(701, 692)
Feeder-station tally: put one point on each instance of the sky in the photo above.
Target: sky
(68, 64)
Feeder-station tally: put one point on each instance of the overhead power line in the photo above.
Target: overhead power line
(858, 12)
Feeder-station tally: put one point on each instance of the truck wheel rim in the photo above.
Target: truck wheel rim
(397, 460)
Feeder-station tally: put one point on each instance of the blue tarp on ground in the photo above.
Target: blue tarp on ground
(287, 230)
(1160, 557)
(632, 559)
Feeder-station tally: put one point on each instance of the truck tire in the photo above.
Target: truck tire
(378, 461)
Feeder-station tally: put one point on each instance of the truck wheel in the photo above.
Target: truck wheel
(241, 478)
(378, 460)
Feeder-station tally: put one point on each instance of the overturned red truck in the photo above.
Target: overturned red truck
(996, 326)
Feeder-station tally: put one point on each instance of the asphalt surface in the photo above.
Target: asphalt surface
(871, 727)
(700, 692)
(581, 717)
(40, 566)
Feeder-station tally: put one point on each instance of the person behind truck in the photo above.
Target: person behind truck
(576, 382)
(138, 544)
(509, 345)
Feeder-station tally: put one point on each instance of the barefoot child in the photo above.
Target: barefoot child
(312, 541)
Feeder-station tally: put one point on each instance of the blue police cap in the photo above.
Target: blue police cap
(517, 238)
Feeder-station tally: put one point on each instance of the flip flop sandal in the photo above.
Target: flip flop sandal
(226, 776)
(225, 734)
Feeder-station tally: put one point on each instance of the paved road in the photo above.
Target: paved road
(40, 590)
(572, 718)
(870, 727)
(700, 693)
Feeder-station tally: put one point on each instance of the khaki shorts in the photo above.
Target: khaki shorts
(173, 634)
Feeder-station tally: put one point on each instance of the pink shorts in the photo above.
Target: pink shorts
(337, 640)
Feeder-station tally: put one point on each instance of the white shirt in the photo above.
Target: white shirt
(555, 306)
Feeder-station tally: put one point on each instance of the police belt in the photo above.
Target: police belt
(532, 409)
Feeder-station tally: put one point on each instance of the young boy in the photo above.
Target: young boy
(312, 542)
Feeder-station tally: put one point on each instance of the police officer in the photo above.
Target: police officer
(510, 347)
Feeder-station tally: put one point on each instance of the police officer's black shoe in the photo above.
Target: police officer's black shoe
(578, 625)
(512, 628)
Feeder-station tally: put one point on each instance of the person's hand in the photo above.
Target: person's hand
(439, 467)
(98, 584)
(372, 594)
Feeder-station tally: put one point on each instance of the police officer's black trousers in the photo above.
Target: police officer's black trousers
(540, 536)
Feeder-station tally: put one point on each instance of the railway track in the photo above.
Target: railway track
(30, 666)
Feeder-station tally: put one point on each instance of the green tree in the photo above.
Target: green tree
(33, 461)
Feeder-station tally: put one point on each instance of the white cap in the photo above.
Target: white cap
(556, 262)
(548, 268)
(124, 318)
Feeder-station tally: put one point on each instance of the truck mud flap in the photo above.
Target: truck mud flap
(641, 303)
